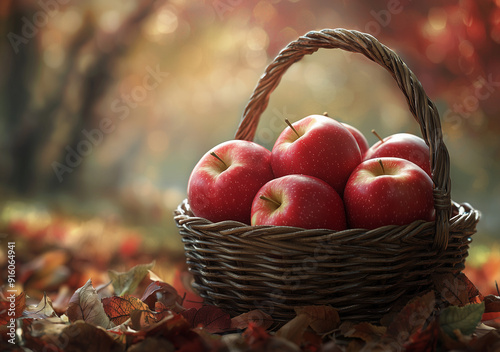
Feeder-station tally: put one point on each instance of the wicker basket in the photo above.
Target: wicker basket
(361, 273)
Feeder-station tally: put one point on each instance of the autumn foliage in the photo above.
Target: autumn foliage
(67, 299)
(125, 316)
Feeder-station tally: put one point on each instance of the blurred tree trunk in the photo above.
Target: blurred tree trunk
(32, 126)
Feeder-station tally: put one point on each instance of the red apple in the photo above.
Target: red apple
(402, 145)
(224, 182)
(317, 146)
(360, 138)
(388, 191)
(299, 201)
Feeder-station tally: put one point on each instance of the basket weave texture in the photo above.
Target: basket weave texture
(361, 273)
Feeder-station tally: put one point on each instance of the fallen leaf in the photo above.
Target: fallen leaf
(323, 318)
(127, 282)
(141, 319)
(255, 333)
(46, 340)
(295, 328)
(456, 289)
(182, 282)
(85, 305)
(161, 311)
(118, 308)
(82, 336)
(175, 329)
(366, 331)
(491, 303)
(159, 291)
(51, 327)
(209, 317)
(333, 346)
(424, 340)
(19, 304)
(487, 342)
(152, 344)
(42, 310)
(411, 318)
(464, 319)
(255, 316)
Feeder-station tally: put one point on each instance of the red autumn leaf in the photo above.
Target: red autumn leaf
(212, 318)
(424, 340)
(491, 315)
(491, 303)
(19, 303)
(255, 335)
(159, 291)
(118, 309)
(175, 329)
(182, 282)
(456, 289)
(491, 319)
(141, 319)
(257, 339)
(161, 311)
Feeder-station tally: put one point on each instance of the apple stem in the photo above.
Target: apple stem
(326, 114)
(293, 129)
(278, 204)
(378, 136)
(218, 157)
(382, 166)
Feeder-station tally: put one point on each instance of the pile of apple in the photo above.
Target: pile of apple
(320, 174)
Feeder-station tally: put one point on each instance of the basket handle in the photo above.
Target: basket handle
(421, 107)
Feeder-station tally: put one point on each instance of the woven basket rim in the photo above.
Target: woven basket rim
(183, 215)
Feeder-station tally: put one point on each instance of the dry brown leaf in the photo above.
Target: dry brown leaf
(412, 317)
(323, 318)
(127, 282)
(456, 289)
(295, 328)
(255, 316)
(85, 305)
(366, 331)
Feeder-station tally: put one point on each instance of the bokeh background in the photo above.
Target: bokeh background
(105, 107)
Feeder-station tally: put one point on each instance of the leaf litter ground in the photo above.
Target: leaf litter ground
(150, 306)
